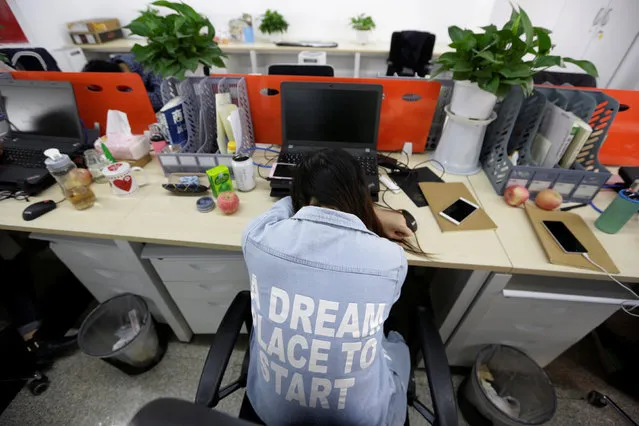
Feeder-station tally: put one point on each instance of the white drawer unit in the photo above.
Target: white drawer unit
(108, 268)
(202, 282)
(204, 317)
(540, 315)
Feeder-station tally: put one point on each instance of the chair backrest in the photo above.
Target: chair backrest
(30, 59)
(300, 69)
(411, 49)
(560, 78)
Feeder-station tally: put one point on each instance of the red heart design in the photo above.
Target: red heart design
(124, 184)
(114, 167)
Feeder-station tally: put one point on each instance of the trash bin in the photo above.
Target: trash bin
(506, 387)
(121, 332)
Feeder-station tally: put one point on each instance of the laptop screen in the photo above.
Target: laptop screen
(40, 108)
(331, 114)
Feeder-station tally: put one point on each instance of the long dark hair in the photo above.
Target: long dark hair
(333, 178)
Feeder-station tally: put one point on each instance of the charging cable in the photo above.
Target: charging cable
(625, 287)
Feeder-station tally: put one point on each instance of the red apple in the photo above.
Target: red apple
(516, 195)
(228, 202)
(548, 199)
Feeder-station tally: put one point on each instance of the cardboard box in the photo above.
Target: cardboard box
(96, 38)
(94, 25)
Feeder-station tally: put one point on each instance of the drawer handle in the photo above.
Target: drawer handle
(107, 274)
(207, 269)
(215, 287)
(530, 328)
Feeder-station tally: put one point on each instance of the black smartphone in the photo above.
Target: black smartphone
(562, 235)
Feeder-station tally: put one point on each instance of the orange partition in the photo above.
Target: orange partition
(621, 147)
(407, 110)
(97, 92)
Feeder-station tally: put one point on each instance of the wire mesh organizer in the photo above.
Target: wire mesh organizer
(439, 118)
(515, 129)
(200, 152)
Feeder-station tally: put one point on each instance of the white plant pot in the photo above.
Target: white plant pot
(460, 144)
(275, 37)
(471, 102)
(361, 37)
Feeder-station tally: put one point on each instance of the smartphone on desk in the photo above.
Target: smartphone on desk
(459, 211)
(282, 171)
(564, 237)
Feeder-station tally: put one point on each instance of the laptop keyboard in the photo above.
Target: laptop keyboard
(368, 163)
(28, 158)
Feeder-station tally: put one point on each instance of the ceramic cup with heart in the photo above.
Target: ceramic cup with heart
(121, 179)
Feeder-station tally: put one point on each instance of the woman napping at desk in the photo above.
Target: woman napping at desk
(323, 280)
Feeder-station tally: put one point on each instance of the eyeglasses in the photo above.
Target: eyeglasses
(19, 195)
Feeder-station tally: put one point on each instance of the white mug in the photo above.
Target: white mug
(121, 179)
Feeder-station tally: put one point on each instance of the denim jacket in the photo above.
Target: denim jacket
(322, 286)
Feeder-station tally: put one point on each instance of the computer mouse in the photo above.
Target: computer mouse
(410, 220)
(36, 210)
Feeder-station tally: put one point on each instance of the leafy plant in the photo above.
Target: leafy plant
(273, 22)
(176, 42)
(362, 22)
(498, 59)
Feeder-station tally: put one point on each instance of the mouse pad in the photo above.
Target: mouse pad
(409, 181)
(442, 195)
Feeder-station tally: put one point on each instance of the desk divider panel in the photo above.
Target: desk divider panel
(98, 92)
(408, 106)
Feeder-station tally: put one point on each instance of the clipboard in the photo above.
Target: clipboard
(580, 230)
(441, 195)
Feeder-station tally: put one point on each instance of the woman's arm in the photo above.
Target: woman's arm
(281, 210)
(393, 224)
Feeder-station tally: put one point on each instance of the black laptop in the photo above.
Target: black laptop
(40, 115)
(330, 115)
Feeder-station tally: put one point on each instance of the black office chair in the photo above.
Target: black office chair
(30, 59)
(209, 392)
(410, 53)
(561, 78)
(301, 69)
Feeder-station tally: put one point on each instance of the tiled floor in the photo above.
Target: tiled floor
(87, 391)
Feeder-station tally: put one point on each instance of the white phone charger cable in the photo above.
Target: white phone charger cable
(623, 307)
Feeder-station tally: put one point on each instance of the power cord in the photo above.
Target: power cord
(625, 287)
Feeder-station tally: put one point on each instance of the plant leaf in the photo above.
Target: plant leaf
(527, 27)
(548, 61)
(587, 66)
(462, 66)
(448, 58)
(493, 84)
(455, 33)
(181, 8)
(489, 56)
(516, 71)
(543, 40)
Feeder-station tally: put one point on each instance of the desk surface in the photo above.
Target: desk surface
(374, 48)
(153, 215)
(526, 253)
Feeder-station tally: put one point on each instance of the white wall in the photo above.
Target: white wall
(44, 20)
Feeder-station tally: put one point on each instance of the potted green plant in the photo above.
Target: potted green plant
(486, 65)
(175, 43)
(273, 24)
(363, 25)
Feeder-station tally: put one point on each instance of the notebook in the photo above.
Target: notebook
(556, 132)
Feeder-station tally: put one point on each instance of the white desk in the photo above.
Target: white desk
(470, 264)
(343, 48)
